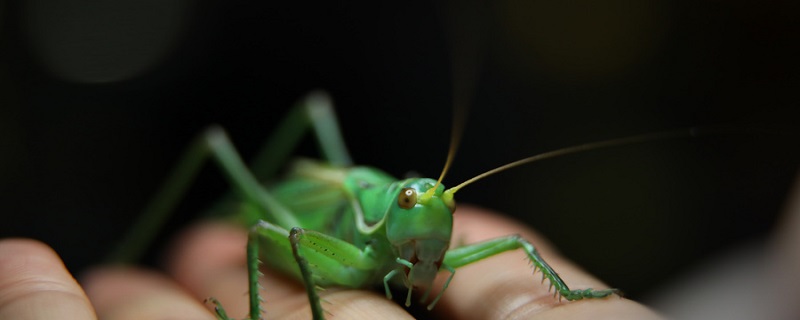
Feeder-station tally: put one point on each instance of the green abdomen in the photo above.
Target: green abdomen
(318, 205)
(322, 197)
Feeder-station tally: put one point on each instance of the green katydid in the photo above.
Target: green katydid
(330, 223)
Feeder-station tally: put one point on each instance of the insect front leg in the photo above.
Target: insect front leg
(458, 257)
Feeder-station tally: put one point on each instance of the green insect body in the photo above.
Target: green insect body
(369, 213)
(329, 223)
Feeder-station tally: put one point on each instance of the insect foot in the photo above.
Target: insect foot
(590, 293)
(219, 311)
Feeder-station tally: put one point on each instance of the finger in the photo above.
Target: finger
(121, 293)
(503, 286)
(34, 284)
(209, 258)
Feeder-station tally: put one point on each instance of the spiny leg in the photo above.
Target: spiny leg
(305, 270)
(472, 253)
(252, 279)
(253, 274)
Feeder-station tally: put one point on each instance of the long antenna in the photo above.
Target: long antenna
(680, 133)
(465, 30)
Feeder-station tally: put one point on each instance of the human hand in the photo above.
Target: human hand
(208, 260)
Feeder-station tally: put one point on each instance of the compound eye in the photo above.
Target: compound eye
(407, 198)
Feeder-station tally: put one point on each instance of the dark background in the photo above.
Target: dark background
(98, 100)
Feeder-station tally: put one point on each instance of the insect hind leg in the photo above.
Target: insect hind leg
(315, 111)
(214, 144)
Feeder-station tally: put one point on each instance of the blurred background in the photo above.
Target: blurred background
(98, 99)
